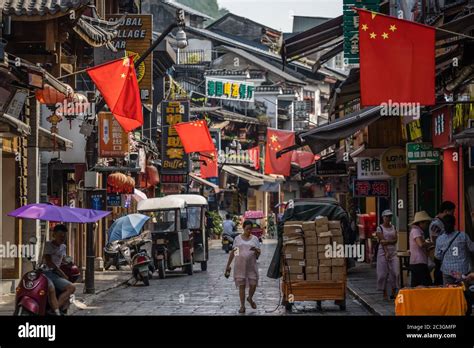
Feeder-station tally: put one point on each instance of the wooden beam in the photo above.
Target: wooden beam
(51, 35)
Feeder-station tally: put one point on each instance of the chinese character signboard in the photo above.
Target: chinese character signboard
(371, 188)
(174, 162)
(113, 140)
(351, 27)
(135, 35)
(230, 90)
(330, 168)
(422, 153)
(394, 162)
(370, 168)
(441, 127)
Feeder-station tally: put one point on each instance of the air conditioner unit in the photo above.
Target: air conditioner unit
(91, 179)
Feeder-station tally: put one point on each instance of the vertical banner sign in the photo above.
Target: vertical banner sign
(351, 27)
(113, 140)
(135, 35)
(175, 162)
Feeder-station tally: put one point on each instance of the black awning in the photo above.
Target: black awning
(312, 38)
(320, 138)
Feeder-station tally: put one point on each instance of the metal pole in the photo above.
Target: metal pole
(90, 258)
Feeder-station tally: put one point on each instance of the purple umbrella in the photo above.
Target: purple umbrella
(49, 212)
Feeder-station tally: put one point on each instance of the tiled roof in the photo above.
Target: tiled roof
(186, 9)
(40, 7)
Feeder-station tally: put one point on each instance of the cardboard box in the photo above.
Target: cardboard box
(312, 277)
(293, 249)
(296, 255)
(324, 269)
(293, 241)
(292, 229)
(337, 277)
(325, 234)
(324, 240)
(336, 232)
(294, 277)
(334, 224)
(311, 255)
(338, 269)
(325, 276)
(311, 240)
(310, 234)
(338, 262)
(321, 229)
(295, 263)
(322, 248)
(321, 220)
(325, 262)
(322, 256)
(311, 249)
(311, 269)
(338, 239)
(313, 262)
(309, 226)
(293, 269)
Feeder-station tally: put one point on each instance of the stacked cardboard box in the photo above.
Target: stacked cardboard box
(293, 251)
(305, 247)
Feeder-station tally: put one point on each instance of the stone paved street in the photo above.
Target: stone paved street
(206, 293)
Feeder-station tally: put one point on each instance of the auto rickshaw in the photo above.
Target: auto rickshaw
(173, 245)
(196, 206)
(255, 216)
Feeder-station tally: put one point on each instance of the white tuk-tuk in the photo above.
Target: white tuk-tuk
(196, 207)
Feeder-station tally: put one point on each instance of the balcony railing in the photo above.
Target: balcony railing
(194, 57)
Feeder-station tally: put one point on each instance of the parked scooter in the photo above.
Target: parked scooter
(116, 254)
(32, 292)
(142, 265)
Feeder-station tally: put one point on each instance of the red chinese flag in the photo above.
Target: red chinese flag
(278, 140)
(397, 60)
(195, 136)
(208, 164)
(117, 82)
(254, 154)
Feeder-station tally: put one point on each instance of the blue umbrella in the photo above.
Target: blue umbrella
(127, 227)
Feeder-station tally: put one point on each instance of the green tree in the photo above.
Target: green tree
(209, 7)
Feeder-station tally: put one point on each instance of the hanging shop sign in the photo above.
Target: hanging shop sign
(330, 168)
(351, 27)
(135, 35)
(370, 168)
(230, 89)
(113, 140)
(414, 130)
(174, 162)
(394, 162)
(441, 127)
(371, 188)
(97, 199)
(422, 153)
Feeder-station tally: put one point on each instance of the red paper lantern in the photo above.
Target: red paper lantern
(49, 95)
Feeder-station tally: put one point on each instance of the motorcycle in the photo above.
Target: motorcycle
(142, 265)
(116, 254)
(32, 292)
(228, 242)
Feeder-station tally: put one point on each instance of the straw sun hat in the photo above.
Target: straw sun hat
(421, 216)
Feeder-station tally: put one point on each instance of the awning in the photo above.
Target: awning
(220, 125)
(234, 117)
(204, 182)
(264, 182)
(13, 126)
(52, 142)
(320, 138)
(306, 42)
(466, 137)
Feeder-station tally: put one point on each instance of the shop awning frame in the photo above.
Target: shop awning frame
(15, 125)
(52, 142)
(204, 182)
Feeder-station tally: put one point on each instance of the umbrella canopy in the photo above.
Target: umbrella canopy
(139, 195)
(127, 227)
(254, 214)
(50, 212)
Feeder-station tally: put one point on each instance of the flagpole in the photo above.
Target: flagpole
(454, 33)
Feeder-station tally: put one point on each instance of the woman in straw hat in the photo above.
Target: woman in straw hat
(419, 248)
(387, 261)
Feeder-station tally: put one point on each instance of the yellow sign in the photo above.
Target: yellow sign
(394, 162)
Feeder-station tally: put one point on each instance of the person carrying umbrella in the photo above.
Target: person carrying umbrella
(53, 255)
